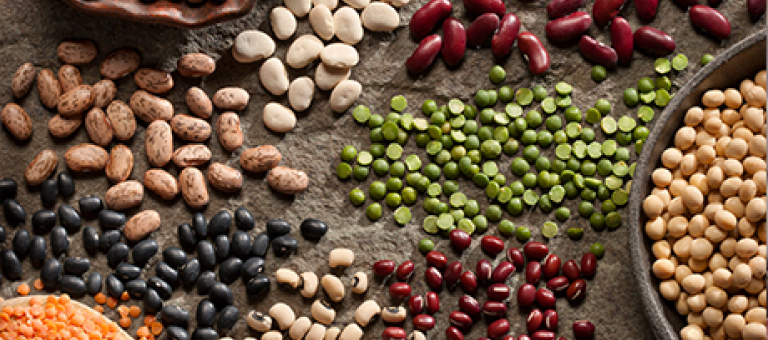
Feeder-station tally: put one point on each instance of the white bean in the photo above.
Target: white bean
(251, 46)
(321, 19)
(339, 55)
(326, 78)
(304, 50)
(299, 8)
(278, 118)
(347, 24)
(344, 95)
(380, 17)
(300, 93)
(274, 77)
(283, 22)
(331, 4)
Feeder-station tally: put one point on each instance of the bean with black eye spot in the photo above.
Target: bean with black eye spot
(50, 274)
(73, 285)
(152, 302)
(93, 283)
(37, 250)
(313, 229)
(175, 315)
(66, 184)
(220, 295)
(227, 318)
(21, 242)
(206, 254)
(49, 192)
(205, 313)
(143, 251)
(43, 221)
(115, 287)
(59, 241)
(251, 268)
(167, 273)
(190, 272)
(90, 206)
(14, 212)
(260, 245)
(258, 285)
(200, 225)
(136, 288)
(76, 265)
(108, 239)
(229, 270)
(117, 253)
(176, 333)
(187, 237)
(222, 246)
(284, 245)
(69, 218)
(161, 287)
(244, 219)
(11, 265)
(8, 189)
(277, 228)
(174, 257)
(241, 244)
(220, 223)
(110, 219)
(126, 271)
(205, 281)
(205, 333)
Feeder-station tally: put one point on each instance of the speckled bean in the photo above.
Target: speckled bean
(141, 225)
(69, 77)
(199, 103)
(153, 80)
(231, 98)
(22, 80)
(260, 159)
(196, 65)
(193, 188)
(428, 16)
(76, 52)
(104, 92)
(120, 164)
(159, 143)
(120, 63)
(190, 129)
(41, 167)
(509, 30)
(76, 101)
(191, 155)
(161, 183)
(60, 127)
(150, 108)
(228, 130)
(86, 157)
(288, 181)
(17, 121)
(122, 119)
(99, 127)
(48, 88)
(536, 53)
(597, 52)
(124, 195)
(569, 27)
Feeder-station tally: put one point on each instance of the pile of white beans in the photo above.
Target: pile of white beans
(337, 56)
(707, 215)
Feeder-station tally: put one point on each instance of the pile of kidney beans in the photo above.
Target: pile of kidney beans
(535, 260)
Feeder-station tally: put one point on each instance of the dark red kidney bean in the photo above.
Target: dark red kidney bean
(483, 271)
(428, 16)
(423, 322)
(400, 290)
(551, 266)
(576, 291)
(604, 10)
(434, 278)
(533, 272)
(545, 298)
(502, 41)
(498, 292)
(469, 282)
(535, 251)
(432, 303)
(543, 335)
(498, 328)
(646, 9)
(482, 29)
(437, 259)
(393, 333)
(687, 3)
(485, 6)
(460, 319)
(460, 239)
(534, 320)
(571, 270)
(710, 20)
(524, 337)
(653, 41)
(558, 284)
(453, 333)
(569, 27)
(561, 8)
(583, 329)
(502, 272)
(588, 265)
(621, 39)
(469, 305)
(495, 309)
(516, 257)
(756, 8)
(491, 245)
(454, 41)
(526, 295)
(384, 267)
(452, 273)
(405, 270)
(415, 304)
(424, 55)
(598, 52)
(550, 319)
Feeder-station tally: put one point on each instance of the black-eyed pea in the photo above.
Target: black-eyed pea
(316, 332)
(22, 80)
(288, 278)
(17, 121)
(104, 92)
(283, 22)
(669, 289)
(122, 118)
(76, 52)
(332, 333)
(663, 268)
(359, 283)
(671, 158)
(322, 312)
(417, 335)
(272, 335)
(283, 315)
(366, 312)
(193, 188)
(120, 63)
(198, 102)
(333, 287)
(395, 314)
(229, 132)
(69, 77)
(299, 328)
(351, 332)
(753, 164)
(326, 77)
(304, 50)
(733, 325)
(225, 178)
(287, 181)
(310, 284)
(661, 249)
(191, 155)
(231, 98)
(339, 55)
(195, 65)
(347, 24)
(259, 322)
(252, 45)
(656, 229)
(150, 108)
(153, 80)
(341, 257)
(300, 93)
(321, 20)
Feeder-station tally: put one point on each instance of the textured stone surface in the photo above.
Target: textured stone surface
(32, 29)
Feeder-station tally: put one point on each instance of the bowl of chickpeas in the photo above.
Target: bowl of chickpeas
(698, 211)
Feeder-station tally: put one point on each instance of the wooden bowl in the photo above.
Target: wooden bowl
(166, 12)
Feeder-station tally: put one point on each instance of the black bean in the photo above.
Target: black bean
(66, 184)
(254, 266)
(187, 237)
(14, 212)
(227, 318)
(206, 254)
(200, 225)
(241, 244)
(205, 313)
(69, 218)
(59, 241)
(220, 223)
(109, 238)
(284, 245)
(11, 265)
(43, 221)
(244, 219)
(8, 188)
(143, 251)
(90, 240)
(277, 228)
(21, 243)
(73, 285)
(76, 265)
(167, 273)
(152, 302)
(51, 273)
(222, 245)
(189, 272)
(49, 192)
(175, 315)
(205, 281)
(220, 295)
(127, 272)
(176, 333)
(206, 333)
(260, 245)
(37, 251)
(117, 253)
(161, 287)
(258, 285)
(136, 288)
(174, 257)
(90, 206)
(313, 229)
(110, 219)
(229, 270)
(2, 234)
(115, 287)
(93, 284)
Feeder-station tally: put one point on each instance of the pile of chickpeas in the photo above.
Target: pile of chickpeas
(707, 215)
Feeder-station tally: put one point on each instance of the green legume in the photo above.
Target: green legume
(608, 124)
(603, 106)
(572, 114)
(599, 73)
(662, 65)
(602, 192)
(360, 172)
(373, 211)
(539, 93)
(380, 167)
(426, 245)
(630, 96)
(490, 148)
(597, 221)
(357, 196)
(519, 166)
(648, 98)
(506, 228)
(522, 233)
(573, 130)
(515, 206)
(563, 101)
(663, 82)
(575, 233)
(531, 153)
(587, 134)
(548, 105)
(506, 94)
(562, 214)
(586, 209)
(530, 197)
(403, 216)
(493, 213)
(529, 180)
(613, 220)
(398, 103)
(482, 99)
(598, 249)
(343, 170)
(626, 124)
(622, 154)
(422, 184)
(593, 116)
(645, 85)
(620, 197)
(662, 98)
(706, 58)
(451, 170)
(607, 206)
(549, 229)
(493, 96)
(645, 113)
(471, 208)
(470, 111)
(588, 194)
(497, 74)
(524, 96)
(348, 154)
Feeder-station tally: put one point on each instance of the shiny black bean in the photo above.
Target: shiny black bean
(43, 221)
(241, 244)
(21, 242)
(206, 333)
(93, 284)
(176, 333)
(313, 229)
(175, 315)
(174, 257)
(254, 266)
(244, 219)
(229, 270)
(277, 228)
(66, 184)
(8, 189)
(260, 245)
(152, 302)
(161, 287)
(222, 245)
(11, 265)
(227, 318)
(220, 295)
(59, 241)
(187, 238)
(90, 206)
(73, 285)
(206, 254)
(258, 285)
(49, 192)
(220, 223)
(110, 219)
(69, 218)
(76, 266)
(200, 225)
(90, 240)
(167, 273)
(14, 212)
(205, 313)
(37, 251)
(50, 274)
(127, 272)
(143, 251)
(109, 238)
(189, 273)
(117, 253)
(284, 245)
(2, 234)
(115, 287)
(136, 288)
(205, 281)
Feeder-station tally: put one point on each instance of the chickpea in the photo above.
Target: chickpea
(715, 176)
(760, 79)
(663, 269)
(689, 164)
(761, 232)
(761, 298)
(661, 249)
(696, 302)
(733, 325)
(756, 96)
(716, 297)
(682, 247)
(753, 303)
(706, 154)
(746, 247)
(733, 262)
(663, 194)
(677, 187)
(656, 229)
(698, 266)
(761, 250)
(717, 333)
(754, 331)
(748, 191)
(694, 116)
(721, 145)
(661, 177)
(653, 206)
(681, 272)
(693, 284)
(732, 98)
(701, 249)
(715, 197)
(710, 112)
(742, 132)
(713, 317)
(730, 186)
(732, 168)
(669, 289)
(760, 181)
(753, 164)
(685, 137)
(742, 275)
(756, 314)
(682, 304)
(757, 264)
(754, 119)
(735, 206)
(722, 278)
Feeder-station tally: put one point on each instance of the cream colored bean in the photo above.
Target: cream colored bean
(689, 164)
(704, 138)
(656, 229)
(713, 98)
(682, 247)
(742, 275)
(738, 304)
(283, 314)
(300, 93)
(746, 247)
(754, 331)
(706, 154)
(344, 95)
(326, 78)
(696, 302)
(694, 116)
(696, 319)
(713, 317)
(272, 335)
(322, 312)
(676, 207)
(737, 148)
(333, 287)
(661, 249)
(760, 178)
(299, 328)
(756, 314)
(715, 176)
(721, 145)
(321, 20)
(663, 194)
(661, 177)
(716, 296)
(730, 186)
(693, 198)
(299, 8)
(732, 98)
(252, 45)
(341, 257)
(685, 137)
(309, 284)
(653, 206)
(754, 119)
(283, 22)
(681, 272)
(693, 284)
(347, 25)
(417, 335)
(745, 228)
(732, 167)
(712, 209)
(762, 298)
(742, 132)
(380, 17)
(278, 118)
(717, 261)
(258, 321)
(733, 325)
(753, 164)
(692, 332)
(360, 283)
(663, 269)
(671, 158)
(274, 77)
(358, 4)
(715, 234)
(332, 333)
(730, 116)
(699, 180)
(735, 206)
(755, 210)
(339, 55)
(697, 266)
(756, 96)
(304, 50)
(394, 314)
(677, 187)
(670, 290)
(701, 249)
(753, 288)
(713, 125)
(316, 332)
(366, 312)
(351, 332)
(697, 225)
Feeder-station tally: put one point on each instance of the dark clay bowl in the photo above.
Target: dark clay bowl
(166, 12)
(740, 61)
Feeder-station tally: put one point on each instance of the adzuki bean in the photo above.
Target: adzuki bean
(597, 52)
(502, 272)
(460, 319)
(604, 10)
(621, 39)
(502, 41)
(453, 333)
(498, 328)
(535, 251)
(710, 20)
(460, 239)
(645, 9)
(393, 333)
(551, 266)
(687, 3)
(452, 273)
(428, 16)
(483, 271)
(576, 291)
(383, 267)
(469, 305)
(482, 29)
(550, 319)
(543, 335)
(569, 27)
(432, 302)
(533, 272)
(424, 55)
(545, 298)
(485, 6)
(653, 41)
(516, 257)
(534, 320)
(469, 282)
(434, 278)
(756, 8)
(454, 41)
(561, 8)
(495, 309)
(583, 329)
(588, 265)
(571, 270)
(498, 292)
(437, 259)
(526, 295)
